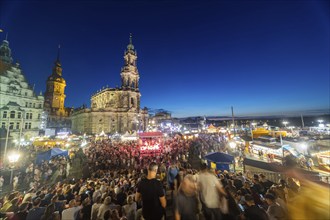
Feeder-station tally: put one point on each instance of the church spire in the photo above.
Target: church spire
(57, 70)
(129, 73)
(58, 53)
(130, 46)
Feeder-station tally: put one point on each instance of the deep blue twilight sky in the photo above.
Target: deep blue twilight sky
(194, 57)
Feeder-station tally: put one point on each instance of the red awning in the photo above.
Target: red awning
(151, 134)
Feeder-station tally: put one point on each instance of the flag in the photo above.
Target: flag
(213, 165)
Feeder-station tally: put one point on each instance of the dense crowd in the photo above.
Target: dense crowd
(30, 174)
(119, 183)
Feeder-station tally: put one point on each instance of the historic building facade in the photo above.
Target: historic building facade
(20, 107)
(57, 114)
(114, 109)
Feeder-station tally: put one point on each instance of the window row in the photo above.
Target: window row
(32, 105)
(12, 114)
(16, 126)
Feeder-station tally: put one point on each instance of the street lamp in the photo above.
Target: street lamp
(12, 158)
(285, 123)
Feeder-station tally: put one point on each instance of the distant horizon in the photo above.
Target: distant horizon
(306, 113)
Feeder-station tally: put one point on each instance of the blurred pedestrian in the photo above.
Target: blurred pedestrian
(212, 195)
(186, 207)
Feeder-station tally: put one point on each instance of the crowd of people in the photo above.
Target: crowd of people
(118, 183)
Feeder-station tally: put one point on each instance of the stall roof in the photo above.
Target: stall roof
(218, 157)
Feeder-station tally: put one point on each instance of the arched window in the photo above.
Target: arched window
(4, 115)
(12, 114)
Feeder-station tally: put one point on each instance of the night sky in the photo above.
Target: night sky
(194, 57)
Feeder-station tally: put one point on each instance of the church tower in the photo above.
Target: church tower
(5, 53)
(55, 97)
(129, 73)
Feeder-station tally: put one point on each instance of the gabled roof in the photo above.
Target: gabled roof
(13, 104)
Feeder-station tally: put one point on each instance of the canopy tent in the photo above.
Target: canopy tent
(50, 154)
(127, 136)
(221, 160)
(212, 129)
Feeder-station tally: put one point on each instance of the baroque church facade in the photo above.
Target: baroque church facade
(57, 114)
(114, 109)
(21, 109)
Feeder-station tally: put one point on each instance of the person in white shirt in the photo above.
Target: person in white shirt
(15, 182)
(72, 212)
(1, 182)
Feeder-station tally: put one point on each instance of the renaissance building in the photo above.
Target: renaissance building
(57, 114)
(114, 109)
(20, 107)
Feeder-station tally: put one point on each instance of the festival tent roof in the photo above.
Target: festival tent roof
(211, 126)
(218, 157)
(50, 154)
(151, 134)
(128, 136)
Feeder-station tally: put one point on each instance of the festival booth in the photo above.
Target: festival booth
(151, 143)
(323, 159)
(220, 161)
(212, 129)
(129, 137)
(50, 154)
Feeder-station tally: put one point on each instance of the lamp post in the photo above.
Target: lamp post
(285, 123)
(12, 158)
